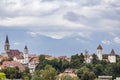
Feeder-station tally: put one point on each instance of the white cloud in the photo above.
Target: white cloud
(47, 17)
(54, 35)
(33, 34)
(117, 40)
(16, 43)
(106, 42)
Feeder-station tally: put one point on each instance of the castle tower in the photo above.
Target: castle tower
(112, 56)
(25, 55)
(99, 52)
(7, 46)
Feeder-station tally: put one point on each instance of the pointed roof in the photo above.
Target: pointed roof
(99, 47)
(25, 47)
(6, 41)
(112, 52)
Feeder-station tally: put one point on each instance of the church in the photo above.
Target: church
(15, 54)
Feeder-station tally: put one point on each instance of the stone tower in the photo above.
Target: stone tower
(25, 55)
(99, 52)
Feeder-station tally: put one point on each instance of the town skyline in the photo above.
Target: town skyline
(7, 38)
(60, 27)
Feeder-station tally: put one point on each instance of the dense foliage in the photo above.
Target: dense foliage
(49, 69)
(86, 71)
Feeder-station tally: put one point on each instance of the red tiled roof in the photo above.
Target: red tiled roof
(19, 57)
(34, 59)
(47, 56)
(32, 55)
(112, 52)
(62, 57)
(99, 47)
(13, 64)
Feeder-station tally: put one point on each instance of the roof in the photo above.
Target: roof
(64, 74)
(6, 41)
(25, 47)
(19, 57)
(35, 59)
(70, 70)
(112, 52)
(13, 64)
(99, 47)
(14, 53)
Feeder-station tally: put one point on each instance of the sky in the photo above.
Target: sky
(60, 27)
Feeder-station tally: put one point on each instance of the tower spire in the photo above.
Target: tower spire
(7, 46)
(6, 41)
(25, 47)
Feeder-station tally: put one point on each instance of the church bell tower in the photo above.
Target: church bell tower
(7, 46)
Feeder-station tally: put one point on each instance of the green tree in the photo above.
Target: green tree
(81, 58)
(12, 73)
(99, 69)
(75, 78)
(2, 76)
(92, 76)
(77, 60)
(26, 74)
(85, 73)
(66, 77)
(95, 59)
(48, 73)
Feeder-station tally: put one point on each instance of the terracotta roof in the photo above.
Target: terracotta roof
(32, 55)
(19, 57)
(112, 52)
(13, 64)
(62, 57)
(47, 56)
(34, 59)
(3, 58)
(99, 47)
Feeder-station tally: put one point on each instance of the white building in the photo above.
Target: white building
(99, 52)
(112, 57)
(87, 58)
(25, 55)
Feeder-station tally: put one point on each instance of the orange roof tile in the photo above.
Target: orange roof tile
(13, 64)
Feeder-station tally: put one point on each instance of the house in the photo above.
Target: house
(112, 57)
(69, 71)
(64, 58)
(19, 59)
(33, 62)
(6, 64)
(48, 57)
(87, 58)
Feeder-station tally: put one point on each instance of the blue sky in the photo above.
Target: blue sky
(60, 27)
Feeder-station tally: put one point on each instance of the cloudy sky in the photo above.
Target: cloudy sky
(60, 27)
